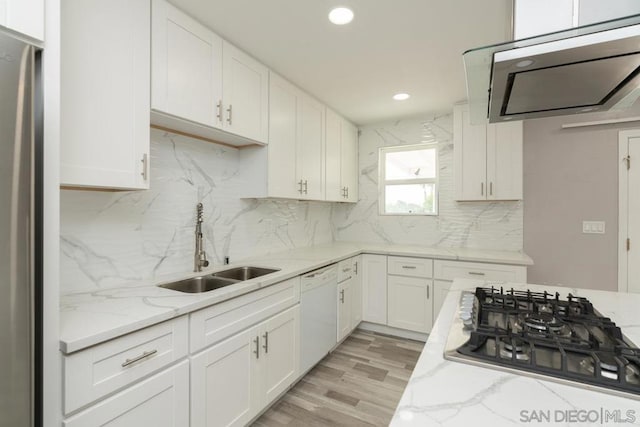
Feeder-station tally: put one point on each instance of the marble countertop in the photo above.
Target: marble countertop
(89, 318)
(447, 393)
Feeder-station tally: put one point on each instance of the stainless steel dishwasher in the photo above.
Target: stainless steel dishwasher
(318, 307)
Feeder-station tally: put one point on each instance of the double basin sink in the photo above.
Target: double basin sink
(218, 280)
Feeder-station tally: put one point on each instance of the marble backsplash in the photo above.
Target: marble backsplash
(485, 225)
(115, 238)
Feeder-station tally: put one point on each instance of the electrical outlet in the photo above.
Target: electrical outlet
(593, 227)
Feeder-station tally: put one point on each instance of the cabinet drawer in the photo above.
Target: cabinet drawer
(161, 400)
(220, 321)
(97, 371)
(413, 267)
(345, 269)
(449, 270)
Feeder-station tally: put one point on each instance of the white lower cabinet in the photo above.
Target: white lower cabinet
(231, 382)
(356, 292)
(374, 279)
(440, 292)
(160, 401)
(344, 308)
(410, 303)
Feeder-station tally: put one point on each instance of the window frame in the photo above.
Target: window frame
(382, 182)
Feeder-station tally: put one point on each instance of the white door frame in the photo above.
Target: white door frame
(623, 204)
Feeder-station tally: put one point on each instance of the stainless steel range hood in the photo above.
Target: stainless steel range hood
(584, 69)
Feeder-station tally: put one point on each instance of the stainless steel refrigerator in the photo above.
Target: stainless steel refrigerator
(20, 233)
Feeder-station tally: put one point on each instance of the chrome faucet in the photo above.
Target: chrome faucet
(200, 258)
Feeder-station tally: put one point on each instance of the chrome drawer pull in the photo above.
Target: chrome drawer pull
(139, 358)
(473, 273)
(409, 267)
(266, 342)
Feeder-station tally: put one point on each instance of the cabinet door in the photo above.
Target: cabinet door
(280, 346)
(223, 391)
(333, 166)
(374, 288)
(504, 161)
(283, 115)
(23, 16)
(187, 67)
(310, 148)
(440, 292)
(410, 305)
(356, 293)
(245, 91)
(470, 156)
(344, 308)
(349, 164)
(105, 80)
(162, 401)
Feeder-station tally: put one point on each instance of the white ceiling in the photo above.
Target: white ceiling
(391, 46)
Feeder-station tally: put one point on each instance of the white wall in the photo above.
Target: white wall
(488, 225)
(117, 238)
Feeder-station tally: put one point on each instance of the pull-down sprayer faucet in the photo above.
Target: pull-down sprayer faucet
(200, 257)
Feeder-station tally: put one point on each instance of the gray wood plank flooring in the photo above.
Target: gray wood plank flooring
(359, 384)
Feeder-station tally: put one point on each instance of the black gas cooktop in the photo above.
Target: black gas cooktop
(541, 333)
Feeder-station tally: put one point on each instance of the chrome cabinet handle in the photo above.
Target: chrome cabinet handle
(491, 188)
(144, 355)
(428, 292)
(306, 187)
(257, 350)
(145, 166)
(356, 267)
(346, 189)
(219, 111)
(409, 267)
(230, 116)
(300, 184)
(482, 188)
(342, 296)
(266, 342)
(474, 273)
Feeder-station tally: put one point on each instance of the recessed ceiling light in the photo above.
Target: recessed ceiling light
(401, 96)
(341, 15)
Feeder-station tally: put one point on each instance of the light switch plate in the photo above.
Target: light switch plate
(593, 227)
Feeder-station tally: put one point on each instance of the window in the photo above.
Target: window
(408, 181)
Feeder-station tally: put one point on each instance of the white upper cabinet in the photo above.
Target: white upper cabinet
(341, 159)
(310, 149)
(535, 17)
(23, 16)
(333, 151)
(284, 99)
(487, 159)
(349, 162)
(105, 80)
(203, 85)
(187, 67)
(245, 92)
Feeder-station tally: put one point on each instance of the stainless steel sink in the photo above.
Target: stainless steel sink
(199, 284)
(218, 280)
(245, 273)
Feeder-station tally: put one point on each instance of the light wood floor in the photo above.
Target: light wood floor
(359, 384)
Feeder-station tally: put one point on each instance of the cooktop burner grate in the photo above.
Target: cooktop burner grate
(541, 333)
